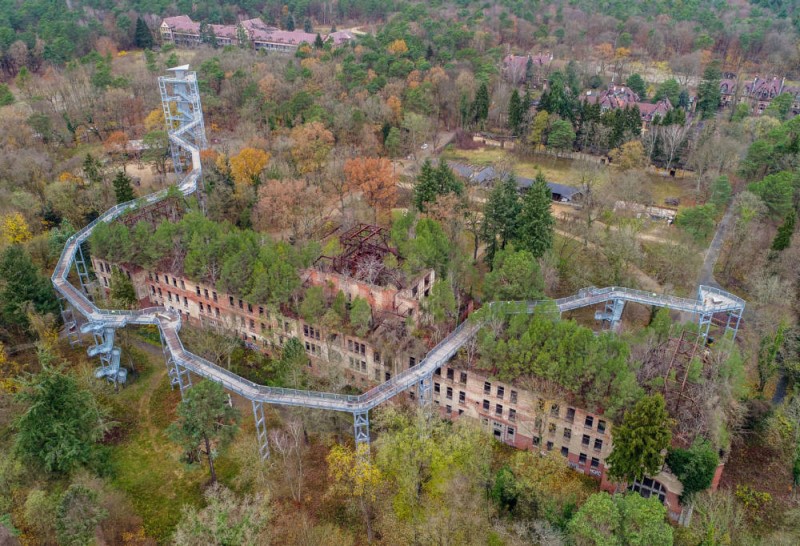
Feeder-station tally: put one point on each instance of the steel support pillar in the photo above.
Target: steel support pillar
(261, 430)
(361, 427)
(71, 329)
(611, 315)
(425, 391)
(735, 327)
(704, 324)
(179, 376)
(83, 271)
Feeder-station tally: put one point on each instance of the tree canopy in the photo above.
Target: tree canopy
(639, 440)
(623, 520)
(61, 424)
(594, 368)
(204, 419)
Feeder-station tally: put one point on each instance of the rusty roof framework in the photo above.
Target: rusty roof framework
(679, 367)
(364, 248)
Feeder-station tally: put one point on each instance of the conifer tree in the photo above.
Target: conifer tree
(639, 441)
(143, 38)
(61, 424)
(91, 169)
(318, 43)
(122, 188)
(433, 182)
(501, 216)
(536, 220)
(21, 283)
(708, 93)
(480, 106)
(516, 113)
(204, 419)
(784, 236)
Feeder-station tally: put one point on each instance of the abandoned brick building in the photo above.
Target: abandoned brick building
(519, 416)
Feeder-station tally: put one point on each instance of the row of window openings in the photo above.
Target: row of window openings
(500, 392)
(582, 458)
(450, 373)
(588, 422)
(498, 410)
(449, 409)
(212, 295)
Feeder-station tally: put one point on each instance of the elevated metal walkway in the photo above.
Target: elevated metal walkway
(709, 305)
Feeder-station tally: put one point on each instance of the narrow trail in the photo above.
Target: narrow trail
(712, 254)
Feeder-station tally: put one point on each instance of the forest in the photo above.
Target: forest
(684, 172)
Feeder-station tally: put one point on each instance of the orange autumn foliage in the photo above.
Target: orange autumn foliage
(373, 177)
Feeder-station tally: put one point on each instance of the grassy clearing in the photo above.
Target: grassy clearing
(565, 171)
(146, 465)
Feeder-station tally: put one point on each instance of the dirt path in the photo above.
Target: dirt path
(143, 405)
(712, 254)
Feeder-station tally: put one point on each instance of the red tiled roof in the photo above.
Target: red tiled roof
(225, 31)
(520, 62)
(341, 36)
(183, 23)
(290, 37)
(256, 24)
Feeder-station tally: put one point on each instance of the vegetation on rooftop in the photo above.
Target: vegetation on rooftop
(595, 369)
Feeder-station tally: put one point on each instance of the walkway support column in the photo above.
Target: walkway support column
(83, 271)
(179, 376)
(425, 390)
(70, 324)
(361, 427)
(261, 430)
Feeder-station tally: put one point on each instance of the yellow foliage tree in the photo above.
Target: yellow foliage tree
(396, 106)
(69, 178)
(398, 47)
(14, 229)
(247, 165)
(222, 163)
(354, 477)
(629, 156)
(312, 144)
(154, 120)
(44, 326)
(9, 370)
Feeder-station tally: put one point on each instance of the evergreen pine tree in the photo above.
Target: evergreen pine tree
(433, 182)
(21, 283)
(536, 219)
(480, 106)
(784, 236)
(501, 216)
(318, 43)
(516, 113)
(307, 26)
(123, 188)
(639, 441)
(142, 37)
(91, 169)
(708, 93)
(429, 53)
(290, 23)
(425, 188)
